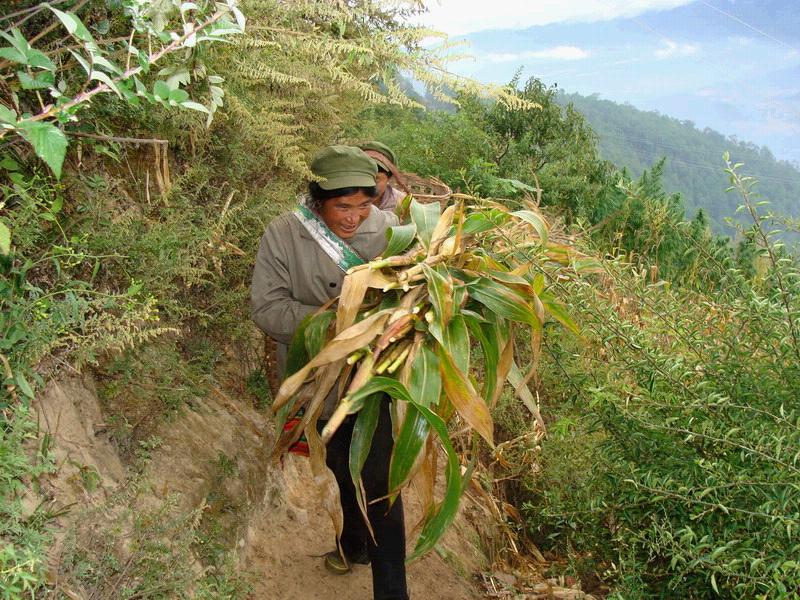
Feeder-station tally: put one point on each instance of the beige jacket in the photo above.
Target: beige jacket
(293, 276)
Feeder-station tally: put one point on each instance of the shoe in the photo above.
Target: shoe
(336, 565)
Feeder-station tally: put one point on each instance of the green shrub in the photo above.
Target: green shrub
(675, 461)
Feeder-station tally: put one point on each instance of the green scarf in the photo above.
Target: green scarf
(339, 251)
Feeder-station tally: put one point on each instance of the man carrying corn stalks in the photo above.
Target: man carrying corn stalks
(300, 266)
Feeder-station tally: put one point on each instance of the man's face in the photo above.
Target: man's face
(344, 214)
(381, 180)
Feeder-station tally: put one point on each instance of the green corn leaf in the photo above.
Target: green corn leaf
(425, 383)
(345, 343)
(505, 302)
(424, 387)
(436, 525)
(506, 277)
(537, 221)
(407, 447)
(297, 355)
(456, 341)
(360, 444)
(376, 384)
(487, 337)
(477, 223)
(48, 141)
(425, 217)
(440, 292)
(399, 238)
(316, 332)
(559, 312)
(462, 395)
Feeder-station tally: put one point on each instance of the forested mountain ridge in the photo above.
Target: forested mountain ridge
(634, 139)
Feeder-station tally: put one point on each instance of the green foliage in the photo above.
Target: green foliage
(635, 139)
(682, 405)
(23, 537)
(493, 150)
(102, 72)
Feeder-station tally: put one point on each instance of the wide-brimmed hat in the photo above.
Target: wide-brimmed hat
(343, 167)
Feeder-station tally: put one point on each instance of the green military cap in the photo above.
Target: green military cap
(382, 149)
(343, 167)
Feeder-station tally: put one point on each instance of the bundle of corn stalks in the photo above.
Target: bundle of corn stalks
(451, 287)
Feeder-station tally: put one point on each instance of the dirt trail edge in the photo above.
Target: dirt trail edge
(287, 536)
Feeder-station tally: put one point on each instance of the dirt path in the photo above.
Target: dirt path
(291, 531)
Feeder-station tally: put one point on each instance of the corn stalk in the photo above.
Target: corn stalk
(408, 325)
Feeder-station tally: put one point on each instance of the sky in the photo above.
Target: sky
(731, 65)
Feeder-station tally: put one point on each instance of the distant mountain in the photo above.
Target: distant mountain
(732, 65)
(636, 139)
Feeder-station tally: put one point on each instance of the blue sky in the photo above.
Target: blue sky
(732, 65)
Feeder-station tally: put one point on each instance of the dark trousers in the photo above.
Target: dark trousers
(387, 555)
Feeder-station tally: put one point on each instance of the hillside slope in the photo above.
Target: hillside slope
(635, 139)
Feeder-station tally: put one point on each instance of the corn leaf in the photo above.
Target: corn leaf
(435, 526)
(360, 444)
(559, 312)
(507, 277)
(534, 219)
(388, 385)
(351, 339)
(353, 289)
(477, 223)
(399, 238)
(442, 229)
(425, 387)
(456, 340)
(488, 338)
(425, 217)
(315, 335)
(323, 478)
(517, 381)
(503, 301)
(440, 292)
(407, 447)
(462, 395)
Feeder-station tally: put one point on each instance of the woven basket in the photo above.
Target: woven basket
(427, 189)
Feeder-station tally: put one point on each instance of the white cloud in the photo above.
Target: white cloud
(673, 49)
(555, 53)
(458, 17)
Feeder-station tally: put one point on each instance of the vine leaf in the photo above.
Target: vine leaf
(48, 141)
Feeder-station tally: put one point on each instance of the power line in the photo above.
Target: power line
(746, 24)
